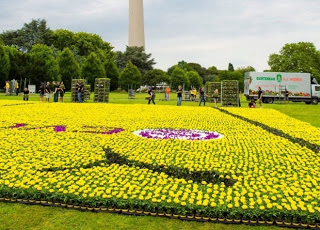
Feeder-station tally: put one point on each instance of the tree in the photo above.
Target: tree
(42, 65)
(112, 72)
(130, 76)
(154, 77)
(63, 39)
(35, 32)
(17, 62)
(69, 67)
(92, 68)
(178, 77)
(194, 79)
(297, 57)
(4, 66)
(230, 67)
(213, 70)
(245, 69)
(137, 56)
(199, 69)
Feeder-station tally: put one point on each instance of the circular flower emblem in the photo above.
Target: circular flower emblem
(181, 134)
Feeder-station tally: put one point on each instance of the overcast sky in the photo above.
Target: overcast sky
(208, 32)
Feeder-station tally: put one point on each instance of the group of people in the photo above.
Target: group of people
(152, 95)
(58, 91)
(7, 87)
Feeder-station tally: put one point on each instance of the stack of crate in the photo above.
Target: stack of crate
(101, 90)
(86, 92)
(230, 93)
(74, 90)
(210, 87)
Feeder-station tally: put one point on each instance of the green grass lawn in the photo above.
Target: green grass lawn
(17, 216)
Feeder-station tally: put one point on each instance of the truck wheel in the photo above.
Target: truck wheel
(314, 101)
(269, 100)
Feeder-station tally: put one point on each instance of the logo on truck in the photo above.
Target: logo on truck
(279, 78)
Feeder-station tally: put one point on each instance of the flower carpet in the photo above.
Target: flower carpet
(180, 162)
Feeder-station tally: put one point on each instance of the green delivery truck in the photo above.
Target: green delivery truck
(296, 87)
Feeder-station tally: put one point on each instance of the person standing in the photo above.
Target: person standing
(61, 90)
(215, 97)
(17, 88)
(26, 94)
(152, 95)
(80, 90)
(168, 90)
(202, 97)
(7, 87)
(179, 95)
(42, 91)
(47, 91)
(55, 91)
(260, 96)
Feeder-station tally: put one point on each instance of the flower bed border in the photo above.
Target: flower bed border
(137, 212)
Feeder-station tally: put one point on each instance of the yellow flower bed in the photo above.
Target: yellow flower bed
(272, 175)
(280, 121)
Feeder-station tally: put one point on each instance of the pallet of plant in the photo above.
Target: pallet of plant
(210, 89)
(230, 93)
(101, 90)
(74, 90)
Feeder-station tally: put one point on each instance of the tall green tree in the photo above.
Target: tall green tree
(230, 67)
(69, 67)
(154, 77)
(63, 39)
(297, 57)
(202, 71)
(32, 33)
(113, 73)
(213, 70)
(137, 56)
(18, 62)
(245, 69)
(194, 79)
(232, 75)
(4, 66)
(179, 77)
(42, 65)
(130, 76)
(92, 68)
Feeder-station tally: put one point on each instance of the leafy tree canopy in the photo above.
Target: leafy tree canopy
(112, 72)
(92, 68)
(137, 56)
(194, 79)
(130, 76)
(154, 77)
(35, 32)
(179, 77)
(230, 67)
(4, 65)
(297, 57)
(42, 65)
(69, 67)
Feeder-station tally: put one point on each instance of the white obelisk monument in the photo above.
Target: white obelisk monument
(136, 23)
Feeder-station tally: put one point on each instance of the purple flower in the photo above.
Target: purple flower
(178, 134)
(59, 128)
(18, 125)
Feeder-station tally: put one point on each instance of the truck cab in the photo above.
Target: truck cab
(315, 89)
